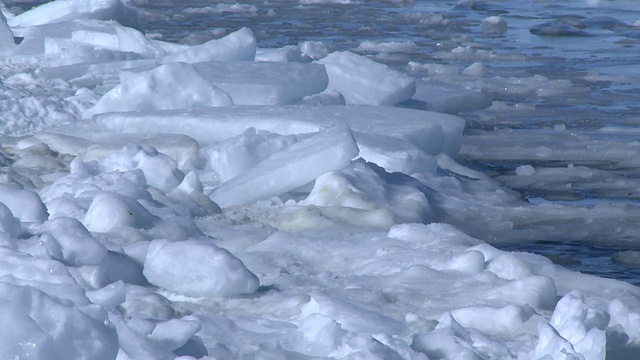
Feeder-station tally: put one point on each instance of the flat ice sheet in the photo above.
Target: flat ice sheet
(430, 131)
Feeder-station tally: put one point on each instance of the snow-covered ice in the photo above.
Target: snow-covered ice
(316, 196)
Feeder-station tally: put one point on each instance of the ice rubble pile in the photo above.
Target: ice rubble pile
(112, 229)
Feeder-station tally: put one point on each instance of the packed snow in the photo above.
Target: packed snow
(223, 200)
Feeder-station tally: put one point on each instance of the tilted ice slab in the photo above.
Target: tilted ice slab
(292, 167)
(364, 81)
(432, 132)
(60, 11)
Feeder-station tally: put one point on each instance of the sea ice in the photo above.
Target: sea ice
(237, 46)
(7, 44)
(432, 132)
(363, 81)
(110, 211)
(39, 326)
(238, 154)
(197, 268)
(24, 204)
(292, 167)
(65, 10)
(76, 244)
(263, 82)
(435, 95)
(155, 90)
(109, 231)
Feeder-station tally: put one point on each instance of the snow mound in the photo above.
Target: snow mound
(156, 90)
(197, 268)
(363, 81)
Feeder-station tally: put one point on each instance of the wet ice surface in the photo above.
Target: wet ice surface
(291, 228)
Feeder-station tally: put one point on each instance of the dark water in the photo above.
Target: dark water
(438, 27)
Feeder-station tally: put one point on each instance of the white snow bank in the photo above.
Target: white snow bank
(197, 268)
(237, 46)
(363, 81)
(292, 167)
(156, 90)
(432, 132)
(64, 10)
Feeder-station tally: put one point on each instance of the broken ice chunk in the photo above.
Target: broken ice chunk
(364, 81)
(328, 150)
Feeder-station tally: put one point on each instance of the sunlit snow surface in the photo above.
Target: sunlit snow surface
(319, 179)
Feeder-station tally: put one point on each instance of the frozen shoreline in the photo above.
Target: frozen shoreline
(164, 201)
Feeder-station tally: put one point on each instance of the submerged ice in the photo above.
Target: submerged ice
(220, 199)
